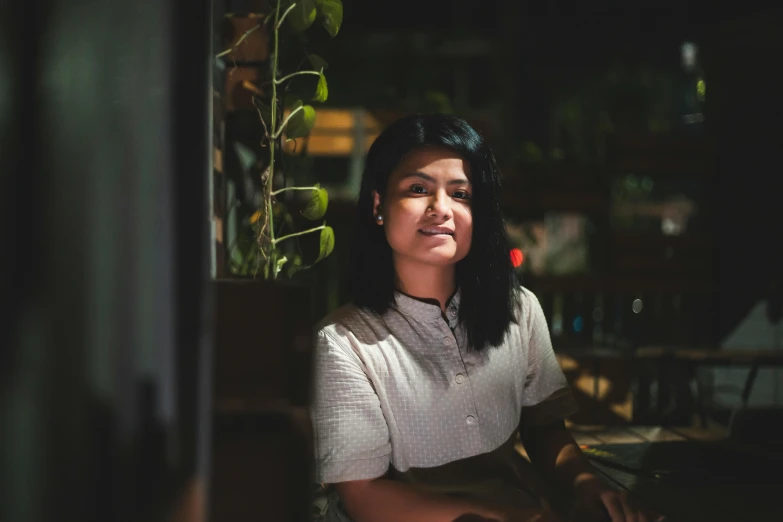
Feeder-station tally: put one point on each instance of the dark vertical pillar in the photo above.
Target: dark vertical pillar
(743, 119)
(192, 146)
(104, 126)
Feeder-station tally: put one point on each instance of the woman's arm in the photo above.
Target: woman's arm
(555, 453)
(382, 500)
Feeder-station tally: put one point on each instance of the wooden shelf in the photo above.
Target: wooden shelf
(618, 284)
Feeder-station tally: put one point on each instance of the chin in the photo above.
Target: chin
(440, 258)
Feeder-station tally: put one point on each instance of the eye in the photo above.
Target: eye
(418, 189)
(461, 194)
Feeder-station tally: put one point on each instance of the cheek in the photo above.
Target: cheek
(464, 222)
(400, 220)
(403, 214)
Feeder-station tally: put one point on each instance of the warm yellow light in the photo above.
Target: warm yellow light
(333, 133)
(330, 145)
(333, 120)
(701, 89)
(370, 123)
(320, 145)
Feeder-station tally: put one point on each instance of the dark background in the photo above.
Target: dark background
(105, 331)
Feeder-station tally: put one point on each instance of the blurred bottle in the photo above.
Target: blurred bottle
(692, 90)
(557, 315)
(578, 323)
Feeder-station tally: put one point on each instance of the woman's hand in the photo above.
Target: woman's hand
(597, 502)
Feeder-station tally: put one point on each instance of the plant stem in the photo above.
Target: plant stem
(236, 45)
(276, 192)
(280, 22)
(282, 125)
(299, 233)
(297, 73)
(271, 176)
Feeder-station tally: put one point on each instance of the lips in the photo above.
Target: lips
(436, 231)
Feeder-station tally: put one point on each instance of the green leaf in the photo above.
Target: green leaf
(308, 87)
(316, 208)
(302, 16)
(318, 63)
(279, 265)
(300, 123)
(332, 13)
(321, 90)
(326, 243)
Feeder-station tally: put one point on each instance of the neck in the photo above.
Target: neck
(425, 282)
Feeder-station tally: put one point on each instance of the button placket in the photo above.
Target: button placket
(460, 377)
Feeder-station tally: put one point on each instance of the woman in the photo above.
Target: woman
(424, 381)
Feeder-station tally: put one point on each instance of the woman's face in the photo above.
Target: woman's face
(427, 208)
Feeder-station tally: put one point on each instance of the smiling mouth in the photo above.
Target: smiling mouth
(436, 231)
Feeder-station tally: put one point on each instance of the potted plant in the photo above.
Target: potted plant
(263, 326)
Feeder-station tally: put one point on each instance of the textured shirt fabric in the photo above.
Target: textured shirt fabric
(401, 395)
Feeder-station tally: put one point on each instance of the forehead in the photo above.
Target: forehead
(435, 161)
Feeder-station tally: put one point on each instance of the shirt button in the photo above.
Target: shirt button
(459, 378)
(447, 341)
(470, 419)
(453, 312)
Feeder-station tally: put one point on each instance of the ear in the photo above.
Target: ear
(376, 203)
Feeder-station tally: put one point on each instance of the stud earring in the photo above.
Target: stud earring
(379, 219)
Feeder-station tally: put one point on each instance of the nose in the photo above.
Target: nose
(440, 206)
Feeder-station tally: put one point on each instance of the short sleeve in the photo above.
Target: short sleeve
(547, 396)
(351, 437)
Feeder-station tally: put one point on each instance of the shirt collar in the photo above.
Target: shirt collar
(413, 307)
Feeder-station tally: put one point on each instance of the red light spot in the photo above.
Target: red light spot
(517, 257)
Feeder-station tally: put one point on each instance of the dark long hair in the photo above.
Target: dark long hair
(488, 287)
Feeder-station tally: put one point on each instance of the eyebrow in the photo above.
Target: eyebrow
(427, 177)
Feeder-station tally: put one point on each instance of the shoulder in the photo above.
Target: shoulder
(530, 312)
(349, 324)
(526, 297)
(345, 340)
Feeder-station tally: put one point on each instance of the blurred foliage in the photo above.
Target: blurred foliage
(622, 98)
(274, 226)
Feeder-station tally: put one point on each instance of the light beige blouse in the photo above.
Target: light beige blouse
(400, 395)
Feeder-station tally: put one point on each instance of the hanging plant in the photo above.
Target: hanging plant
(275, 246)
